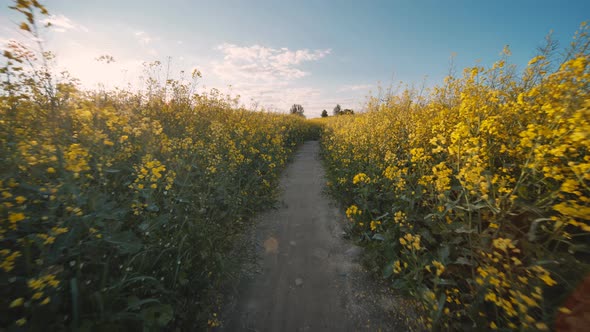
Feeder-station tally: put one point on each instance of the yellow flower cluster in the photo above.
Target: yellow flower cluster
(397, 266)
(374, 224)
(361, 178)
(76, 159)
(8, 258)
(14, 218)
(352, 211)
(37, 286)
(150, 176)
(492, 170)
(513, 295)
(438, 266)
(411, 242)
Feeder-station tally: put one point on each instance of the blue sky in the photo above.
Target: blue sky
(315, 53)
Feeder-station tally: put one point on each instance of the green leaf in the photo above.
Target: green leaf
(579, 248)
(388, 270)
(426, 235)
(378, 237)
(144, 226)
(441, 303)
(464, 230)
(126, 242)
(75, 303)
(382, 216)
(446, 282)
(157, 316)
(462, 261)
(134, 303)
(444, 253)
(153, 208)
(398, 284)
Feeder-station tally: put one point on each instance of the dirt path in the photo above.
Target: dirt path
(310, 278)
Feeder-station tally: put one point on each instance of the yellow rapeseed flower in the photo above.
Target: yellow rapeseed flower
(397, 267)
(374, 224)
(541, 326)
(548, 280)
(353, 210)
(17, 302)
(16, 217)
(36, 284)
(361, 178)
(439, 267)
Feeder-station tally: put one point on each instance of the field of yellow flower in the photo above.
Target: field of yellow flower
(122, 210)
(119, 209)
(476, 198)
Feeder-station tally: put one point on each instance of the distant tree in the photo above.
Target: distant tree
(105, 58)
(324, 114)
(337, 110)
(347, 112)
(297, 109)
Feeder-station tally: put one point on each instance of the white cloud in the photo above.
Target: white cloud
(61, 23)
(263, 64)
(143, 37)
(355, 87)
(286, 57)
(147, 41)
(267, 76)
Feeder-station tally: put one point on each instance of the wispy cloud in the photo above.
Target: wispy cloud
(264, 64)
(143, 37)
(267, 75)
(147, 41)
(61, 23)
(355, 87)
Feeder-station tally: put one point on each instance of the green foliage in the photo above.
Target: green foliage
(337, 110)
(296, 109)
